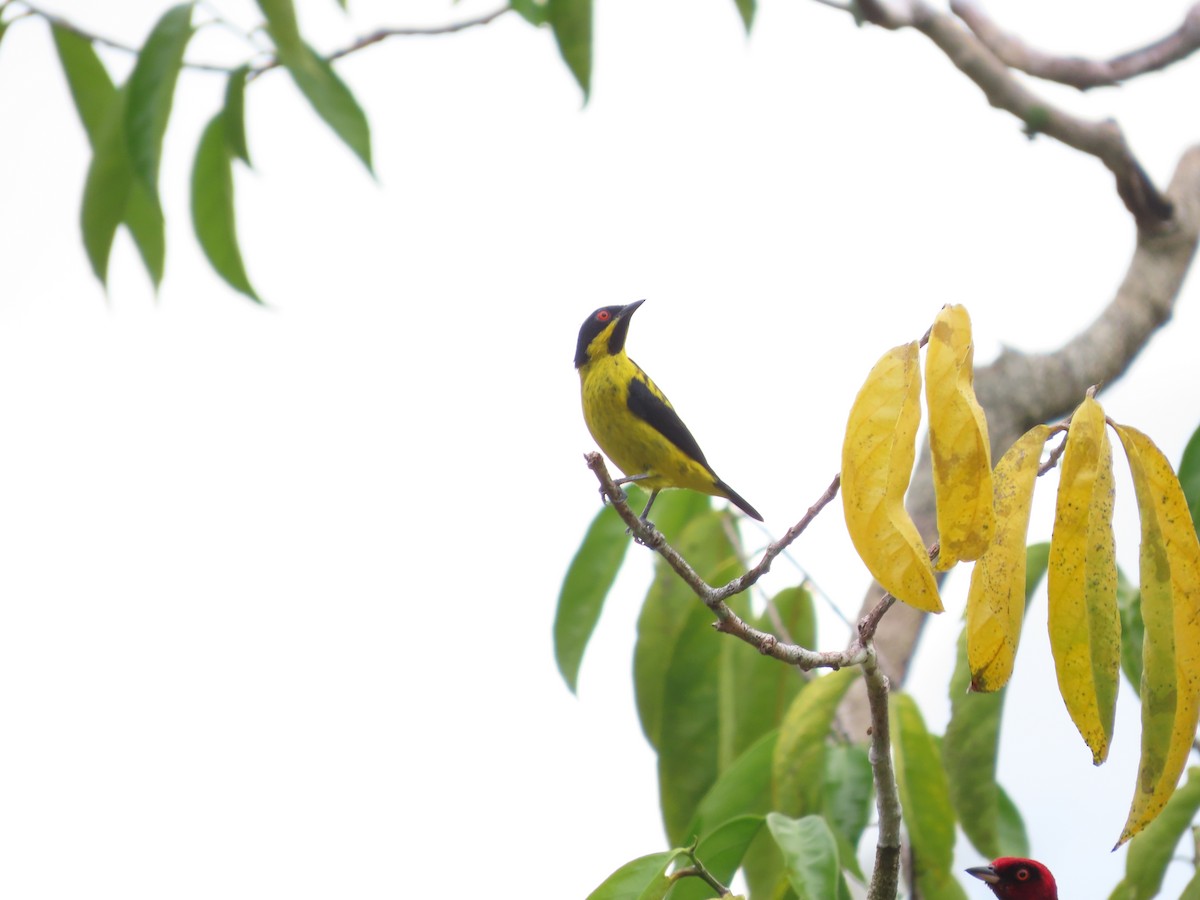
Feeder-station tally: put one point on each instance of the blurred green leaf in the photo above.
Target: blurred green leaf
(585, 587)
(743, 788)
(1189, 476)
(848, 787)
(90, 85)
(799, 764)
(152, 90)
(924, 797)
(1150, 851)
(746, 11)
(532, 11)
(571, 21)
(314, 76)
(810, 855)
(212, 207)
(644, 878)
(721, 853)
(1010, 827)
(1133, 630)
(234, 114)
(1037, 559)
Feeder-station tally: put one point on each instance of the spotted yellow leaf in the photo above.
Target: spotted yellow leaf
(996, 599)
(1170, 594)
(1085, 628)
(958, 441)
(877, 463)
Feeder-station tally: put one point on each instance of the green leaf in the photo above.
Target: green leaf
(234, 115)
(644, 878)
(799, 764)
(1150, 851)
(1189, 476)
(1133, 630)
(721, 853)
(144, 219)
(151, 92)
(743, 788)
(1010, 827)
(571, 21)
(106, 191)
(746, 11)
(924, 796)
(846, 804)
(90, 85)
(532, 11)
(585, 587)
(212, 207)
(314, 76)
(1037, 560)
(810, 855)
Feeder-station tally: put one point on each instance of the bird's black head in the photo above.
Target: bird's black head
(603, 332)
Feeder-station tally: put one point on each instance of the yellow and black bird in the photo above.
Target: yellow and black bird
(633, 421)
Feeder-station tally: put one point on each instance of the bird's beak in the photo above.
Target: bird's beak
(984, 873)
(627, 311)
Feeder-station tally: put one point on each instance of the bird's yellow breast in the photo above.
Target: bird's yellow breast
(636, 447)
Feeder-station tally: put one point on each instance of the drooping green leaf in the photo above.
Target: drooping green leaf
(212, 207)
(1189, 476)
(90, 85)
(644, 878)
(152, 90)
(571, 21)
(234, 114)
(584, 588)
(314, 76)
(799, 765)
(756, 691)
(1151, 851)
(810, 855)
(1133, 630)
(106, 191)
(743, 788)
(532, 11)
(846, 804)
(721, 853)
(1010, 828)
(746, 10)
(924, 796)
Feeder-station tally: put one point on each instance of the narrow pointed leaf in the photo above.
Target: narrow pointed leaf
(571, 21)
(958, 441)
(532, 11)
(234, 115)
(721, 853)
(924, 796)
(799, 764)
(810, 855)
(1189, 476)
(746, 9)
(644, 878)
(1011, 834)
(1170, 607)
(152, 92)
(106, 191)
(212, 207)
(996, 598)
(1083, 618)
(90, 85)
(1133, 630)
(1152, 851)
(325, 91)
(877, 464)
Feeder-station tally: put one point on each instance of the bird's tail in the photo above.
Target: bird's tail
(737, 500)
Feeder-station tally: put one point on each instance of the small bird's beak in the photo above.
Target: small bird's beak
(627, 311)
(985, 873)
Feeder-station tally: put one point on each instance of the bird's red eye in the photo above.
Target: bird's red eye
(602, 316)
(1022, 874)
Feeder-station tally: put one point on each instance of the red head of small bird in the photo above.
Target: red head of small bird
(1011, 878)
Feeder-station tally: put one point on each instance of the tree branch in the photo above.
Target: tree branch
(1077, 71)
(885, 875)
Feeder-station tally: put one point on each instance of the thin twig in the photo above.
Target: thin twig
(1076, 71)
(885, 874)
(697, 870)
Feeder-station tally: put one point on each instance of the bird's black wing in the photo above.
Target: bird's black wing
(650, 408)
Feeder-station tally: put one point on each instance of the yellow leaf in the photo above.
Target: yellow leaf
(996, 599)
(1085, 628)
(877, 463)
(1170, 585)
(958, 441)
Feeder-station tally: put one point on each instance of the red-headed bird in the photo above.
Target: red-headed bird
(1011, 878)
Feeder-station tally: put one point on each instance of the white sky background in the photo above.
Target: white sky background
(278, 585)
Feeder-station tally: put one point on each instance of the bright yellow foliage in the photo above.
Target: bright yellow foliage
(996, 599)
(958, 441)
(1085, 628)
(1170, 587)
(877, 463)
